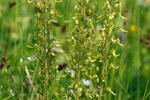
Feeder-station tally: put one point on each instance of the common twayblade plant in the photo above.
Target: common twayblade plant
(91, 52)
(44, 43)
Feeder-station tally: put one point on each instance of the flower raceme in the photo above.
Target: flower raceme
(88, 47)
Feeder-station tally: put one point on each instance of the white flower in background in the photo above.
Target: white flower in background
(71, 90)
(60, 60)
(21, 60)
(56, 49)
(99, 27)
(32, 58)
(51, 36)
(11, 92)
(71, 71)
(144, 3)
(86, 82)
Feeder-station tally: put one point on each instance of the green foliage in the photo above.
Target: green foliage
(85, 47)
(74, 50)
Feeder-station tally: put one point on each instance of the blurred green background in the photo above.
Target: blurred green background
(130, 82)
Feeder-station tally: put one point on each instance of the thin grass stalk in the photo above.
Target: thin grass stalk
(45, 50)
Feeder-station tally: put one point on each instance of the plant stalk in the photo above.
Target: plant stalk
(78, 79)
(103, 70)
(45, 53)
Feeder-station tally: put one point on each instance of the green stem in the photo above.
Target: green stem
(101, 85)
(103, 68)
(45, 54)
(78, 79)
(101, 92)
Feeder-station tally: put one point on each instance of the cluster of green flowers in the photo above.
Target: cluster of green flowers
(93, 45)
(44, 44)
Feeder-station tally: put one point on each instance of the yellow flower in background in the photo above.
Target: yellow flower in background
(133, 28)
(144, 3)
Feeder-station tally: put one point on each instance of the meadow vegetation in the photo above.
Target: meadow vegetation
(74, 49)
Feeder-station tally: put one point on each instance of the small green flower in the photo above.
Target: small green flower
(114, 53)
(30, 1)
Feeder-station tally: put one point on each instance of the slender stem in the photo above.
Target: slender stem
(101, 85)
(78, 79)
(101, 92)
(45, 54)
(103, 69)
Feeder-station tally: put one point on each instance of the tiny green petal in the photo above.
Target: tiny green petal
(109, 89)
(113, 66)
(30, 1)
(114, 53)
